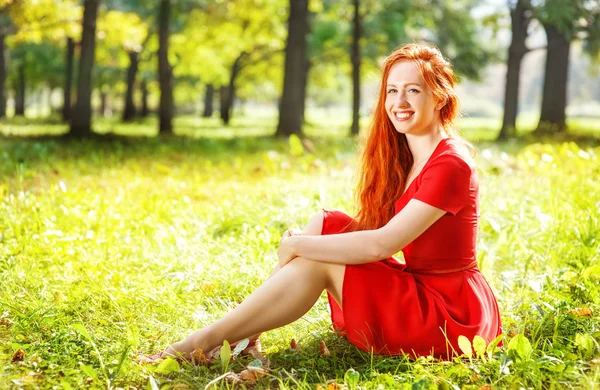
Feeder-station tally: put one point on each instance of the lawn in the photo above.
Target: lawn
(113, 247)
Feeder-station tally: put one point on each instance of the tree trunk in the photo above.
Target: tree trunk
(82, 115)
(129, 110)
(229, 91)
(208, 101)
(20, 91)
(222, 99)
(103, 104)
(356, 69)
(165, 72)
(554, 97)
(520, 22)
(145, 110)
(294, 83)
(66, 110)
(3, 71)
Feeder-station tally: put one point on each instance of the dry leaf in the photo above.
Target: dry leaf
(257, 355)
(6, 322)
(258, 372)
(485, 387)
(324, 351)
(583, 312)
(335, 386)
(294, 346)
(200, 359)
(233, 378)
(181, 386)
(248, 377)
(18, 356)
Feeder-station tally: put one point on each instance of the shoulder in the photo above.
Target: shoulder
(454, 155)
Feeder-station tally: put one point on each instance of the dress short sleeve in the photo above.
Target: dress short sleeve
(445, 183)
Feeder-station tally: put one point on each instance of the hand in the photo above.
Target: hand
(289, 233)
(285, 252)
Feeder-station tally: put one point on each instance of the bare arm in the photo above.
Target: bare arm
(368, 245)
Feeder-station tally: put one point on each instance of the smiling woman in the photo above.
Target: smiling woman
(418, 192)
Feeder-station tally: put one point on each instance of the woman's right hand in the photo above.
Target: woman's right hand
(289, 233)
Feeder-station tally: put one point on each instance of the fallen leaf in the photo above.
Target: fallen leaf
(294, 346)
(335, 386)
(583, 312)
(324, 351)
(248, 377)
(200, 359)
(6, 322)
(257, 355)
(233, 378)
(18, 356)
(485, 387)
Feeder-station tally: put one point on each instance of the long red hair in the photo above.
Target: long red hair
(386, 158)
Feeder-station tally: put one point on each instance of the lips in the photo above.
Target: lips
(403, 115)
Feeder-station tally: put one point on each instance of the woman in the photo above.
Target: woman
(418, 192)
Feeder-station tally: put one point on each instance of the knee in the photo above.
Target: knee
(315, 225)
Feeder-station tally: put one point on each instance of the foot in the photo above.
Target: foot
(184, 351)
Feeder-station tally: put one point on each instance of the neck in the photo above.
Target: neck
(422, 145)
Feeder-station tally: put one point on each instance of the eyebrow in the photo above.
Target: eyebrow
(407, 84)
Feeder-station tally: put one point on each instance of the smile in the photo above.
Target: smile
(402, 116)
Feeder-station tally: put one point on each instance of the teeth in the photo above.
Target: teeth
(403, 115)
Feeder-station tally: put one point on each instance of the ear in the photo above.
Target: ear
(440, 104)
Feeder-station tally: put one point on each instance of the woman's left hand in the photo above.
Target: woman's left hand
(285, 252)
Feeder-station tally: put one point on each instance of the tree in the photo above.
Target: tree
(208, 100)
(356, 59)
(563, 23)
(165, 72)
(520, 14)
(82, 117)
(68, 82)
(294, 83)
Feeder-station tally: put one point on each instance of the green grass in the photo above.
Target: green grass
(143, 240)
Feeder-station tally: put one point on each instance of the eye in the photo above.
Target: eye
(391, 90)
(414, 90)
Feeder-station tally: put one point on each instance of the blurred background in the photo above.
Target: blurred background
(143, 67)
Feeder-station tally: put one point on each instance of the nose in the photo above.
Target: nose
(400, 99)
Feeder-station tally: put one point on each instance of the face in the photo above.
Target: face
(409, 103)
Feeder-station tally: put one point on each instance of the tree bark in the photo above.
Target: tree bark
(66, 110)
(165, 72)
(229, 91)
(208, 101)
(520, 22)
(222, 99)
(356, 69)
(20, 91)
(3, 71)
(103, 104)
(129, 110)
(554, 96)
(145, 111)
(82, 115)
(294, 84)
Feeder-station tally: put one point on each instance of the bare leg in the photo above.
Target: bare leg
(312, 228)
(287, 295)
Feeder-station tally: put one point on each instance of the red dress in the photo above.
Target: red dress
(421, 307)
